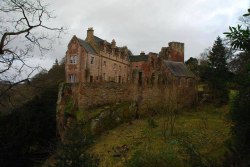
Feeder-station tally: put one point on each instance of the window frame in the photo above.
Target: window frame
(73, 59)
(72, 78)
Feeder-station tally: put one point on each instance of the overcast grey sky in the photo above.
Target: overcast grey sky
(145, 25)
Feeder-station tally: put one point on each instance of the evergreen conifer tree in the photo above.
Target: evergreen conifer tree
(218, 71)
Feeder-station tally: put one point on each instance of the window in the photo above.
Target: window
(91, 79)
(120, 68)
(104, 63)
(114, 66)
(92, 60)
(72, 78)
(73, 59)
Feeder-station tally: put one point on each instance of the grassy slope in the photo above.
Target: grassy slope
(206, 129)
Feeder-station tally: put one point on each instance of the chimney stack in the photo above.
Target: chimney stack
(90, 34)
(113, 44)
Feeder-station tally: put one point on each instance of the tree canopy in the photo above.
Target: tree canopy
(240, 35)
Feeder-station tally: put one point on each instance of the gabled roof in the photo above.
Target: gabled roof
(87, 46)
(178, 69)
(136, 58)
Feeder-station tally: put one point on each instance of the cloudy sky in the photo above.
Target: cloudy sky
(145, 25)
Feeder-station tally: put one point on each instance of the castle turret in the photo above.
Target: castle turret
(176, 51)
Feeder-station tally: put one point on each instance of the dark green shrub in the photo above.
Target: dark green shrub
(72, 152)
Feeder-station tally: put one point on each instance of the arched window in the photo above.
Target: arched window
(72, 78)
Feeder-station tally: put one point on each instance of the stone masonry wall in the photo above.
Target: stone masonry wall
(97, 94)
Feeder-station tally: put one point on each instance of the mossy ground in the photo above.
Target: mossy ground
(205, 129)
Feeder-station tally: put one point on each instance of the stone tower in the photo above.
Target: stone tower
(174, 52)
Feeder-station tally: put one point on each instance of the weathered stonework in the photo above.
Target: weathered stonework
(100, 73)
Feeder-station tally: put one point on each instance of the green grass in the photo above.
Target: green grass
(201, 133)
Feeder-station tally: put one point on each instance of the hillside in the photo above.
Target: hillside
(199, 139)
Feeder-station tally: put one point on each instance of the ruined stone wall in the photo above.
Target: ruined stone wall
(76, 97)
(174, 52)
(96, 94)
(153, 96)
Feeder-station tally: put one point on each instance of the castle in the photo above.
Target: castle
(99, 72)
(96, 60)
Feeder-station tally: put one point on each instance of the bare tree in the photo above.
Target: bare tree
(25, 32)
(170, 106)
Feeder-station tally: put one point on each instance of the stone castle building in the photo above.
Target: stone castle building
(100, 73)
(95, 60)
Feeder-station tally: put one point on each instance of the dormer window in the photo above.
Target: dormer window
(73, 59)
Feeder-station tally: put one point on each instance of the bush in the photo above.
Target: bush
(241, 130)
(72, 152)
(28, 134)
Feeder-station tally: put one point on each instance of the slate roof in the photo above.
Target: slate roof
(178, 69)
(136, 58)
(87, 46)
(97, 39)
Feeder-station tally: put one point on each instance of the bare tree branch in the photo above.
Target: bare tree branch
(23, 31)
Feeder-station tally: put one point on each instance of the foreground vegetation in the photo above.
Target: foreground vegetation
(199, 140)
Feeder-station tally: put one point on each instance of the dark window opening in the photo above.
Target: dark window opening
(140, 78)
(92, 60)
(91, 78)
(119, 79)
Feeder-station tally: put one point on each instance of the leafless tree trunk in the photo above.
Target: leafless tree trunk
(170, 106)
